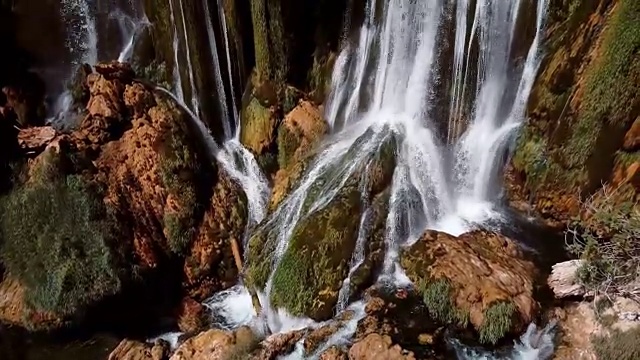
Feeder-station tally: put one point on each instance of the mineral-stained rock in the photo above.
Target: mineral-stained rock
(210, 265)
(632, 137)
(563, 279)
(378, 347)
(300, 130)
(14, 309)
(333, 353)
(166, 199)
(212, 344)
(35, 137)
(192, 316)
(135, 350)
(477, 270)
(278, 344)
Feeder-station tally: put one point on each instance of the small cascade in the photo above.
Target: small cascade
(534, 344)
(383, 88)
(87, 44)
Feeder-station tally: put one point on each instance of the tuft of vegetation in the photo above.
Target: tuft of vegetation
(438, 298)
(155, 72)
(498, 319)
(607, 243)
(177, 169)
(57, 234)
(610, 90)
(620, 345)
(288, 142)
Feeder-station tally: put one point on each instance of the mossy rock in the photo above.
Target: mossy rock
(258, 128)
(479, 278)
(364, 276)
(301, 130)
(57, 240)
(310, 273)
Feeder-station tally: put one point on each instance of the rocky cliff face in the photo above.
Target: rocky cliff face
(157, 198)
(582, 126)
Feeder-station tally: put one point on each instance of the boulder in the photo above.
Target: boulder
(135, 350)
(192, 316)
(35, 138)
(480, 277)
(563, 279)
(212, 344)
(378, 347)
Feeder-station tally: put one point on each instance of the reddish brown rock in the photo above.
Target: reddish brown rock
(632, 137)
(482, 267)
(138, 99)
(279, 344)
(14, 309)
(192, 316)
(378, 347)
(135, 350)
(212, 344)
(35, 137)
(333, 353)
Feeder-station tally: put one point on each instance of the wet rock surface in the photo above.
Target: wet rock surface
(474, 271)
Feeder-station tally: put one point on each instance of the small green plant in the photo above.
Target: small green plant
(620, 345)
(177, 169)
(607, 243)
(497, 322)
(437, 296)
(155, 72)
(57, 235)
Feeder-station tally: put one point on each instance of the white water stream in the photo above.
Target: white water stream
(83, 43)
(384, 86)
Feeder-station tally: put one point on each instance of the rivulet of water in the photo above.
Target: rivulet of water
(385, 86)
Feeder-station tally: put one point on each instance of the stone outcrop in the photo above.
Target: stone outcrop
(476, 272)
(309, 276)
(177, 212)
(582, 127)
(212, 344)
(378, 347)
(134, 350)
(563, 280)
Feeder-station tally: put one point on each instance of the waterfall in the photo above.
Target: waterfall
(383, 88)
(86, 45)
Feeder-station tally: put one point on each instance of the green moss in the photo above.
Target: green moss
(438, 298)
(532, 158)
(179, 172)
(57, 234)
(258, 127)
(620, 345)
(498, 319)
(610, 88)
(259, 258)
(288, 142)
(311, 271)
(156, 72)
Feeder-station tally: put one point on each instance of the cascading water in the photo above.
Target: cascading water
(384, 88)
(86, 46)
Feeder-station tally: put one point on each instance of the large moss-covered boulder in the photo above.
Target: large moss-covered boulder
(479, 277)
(311, 271)
(317, 258)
